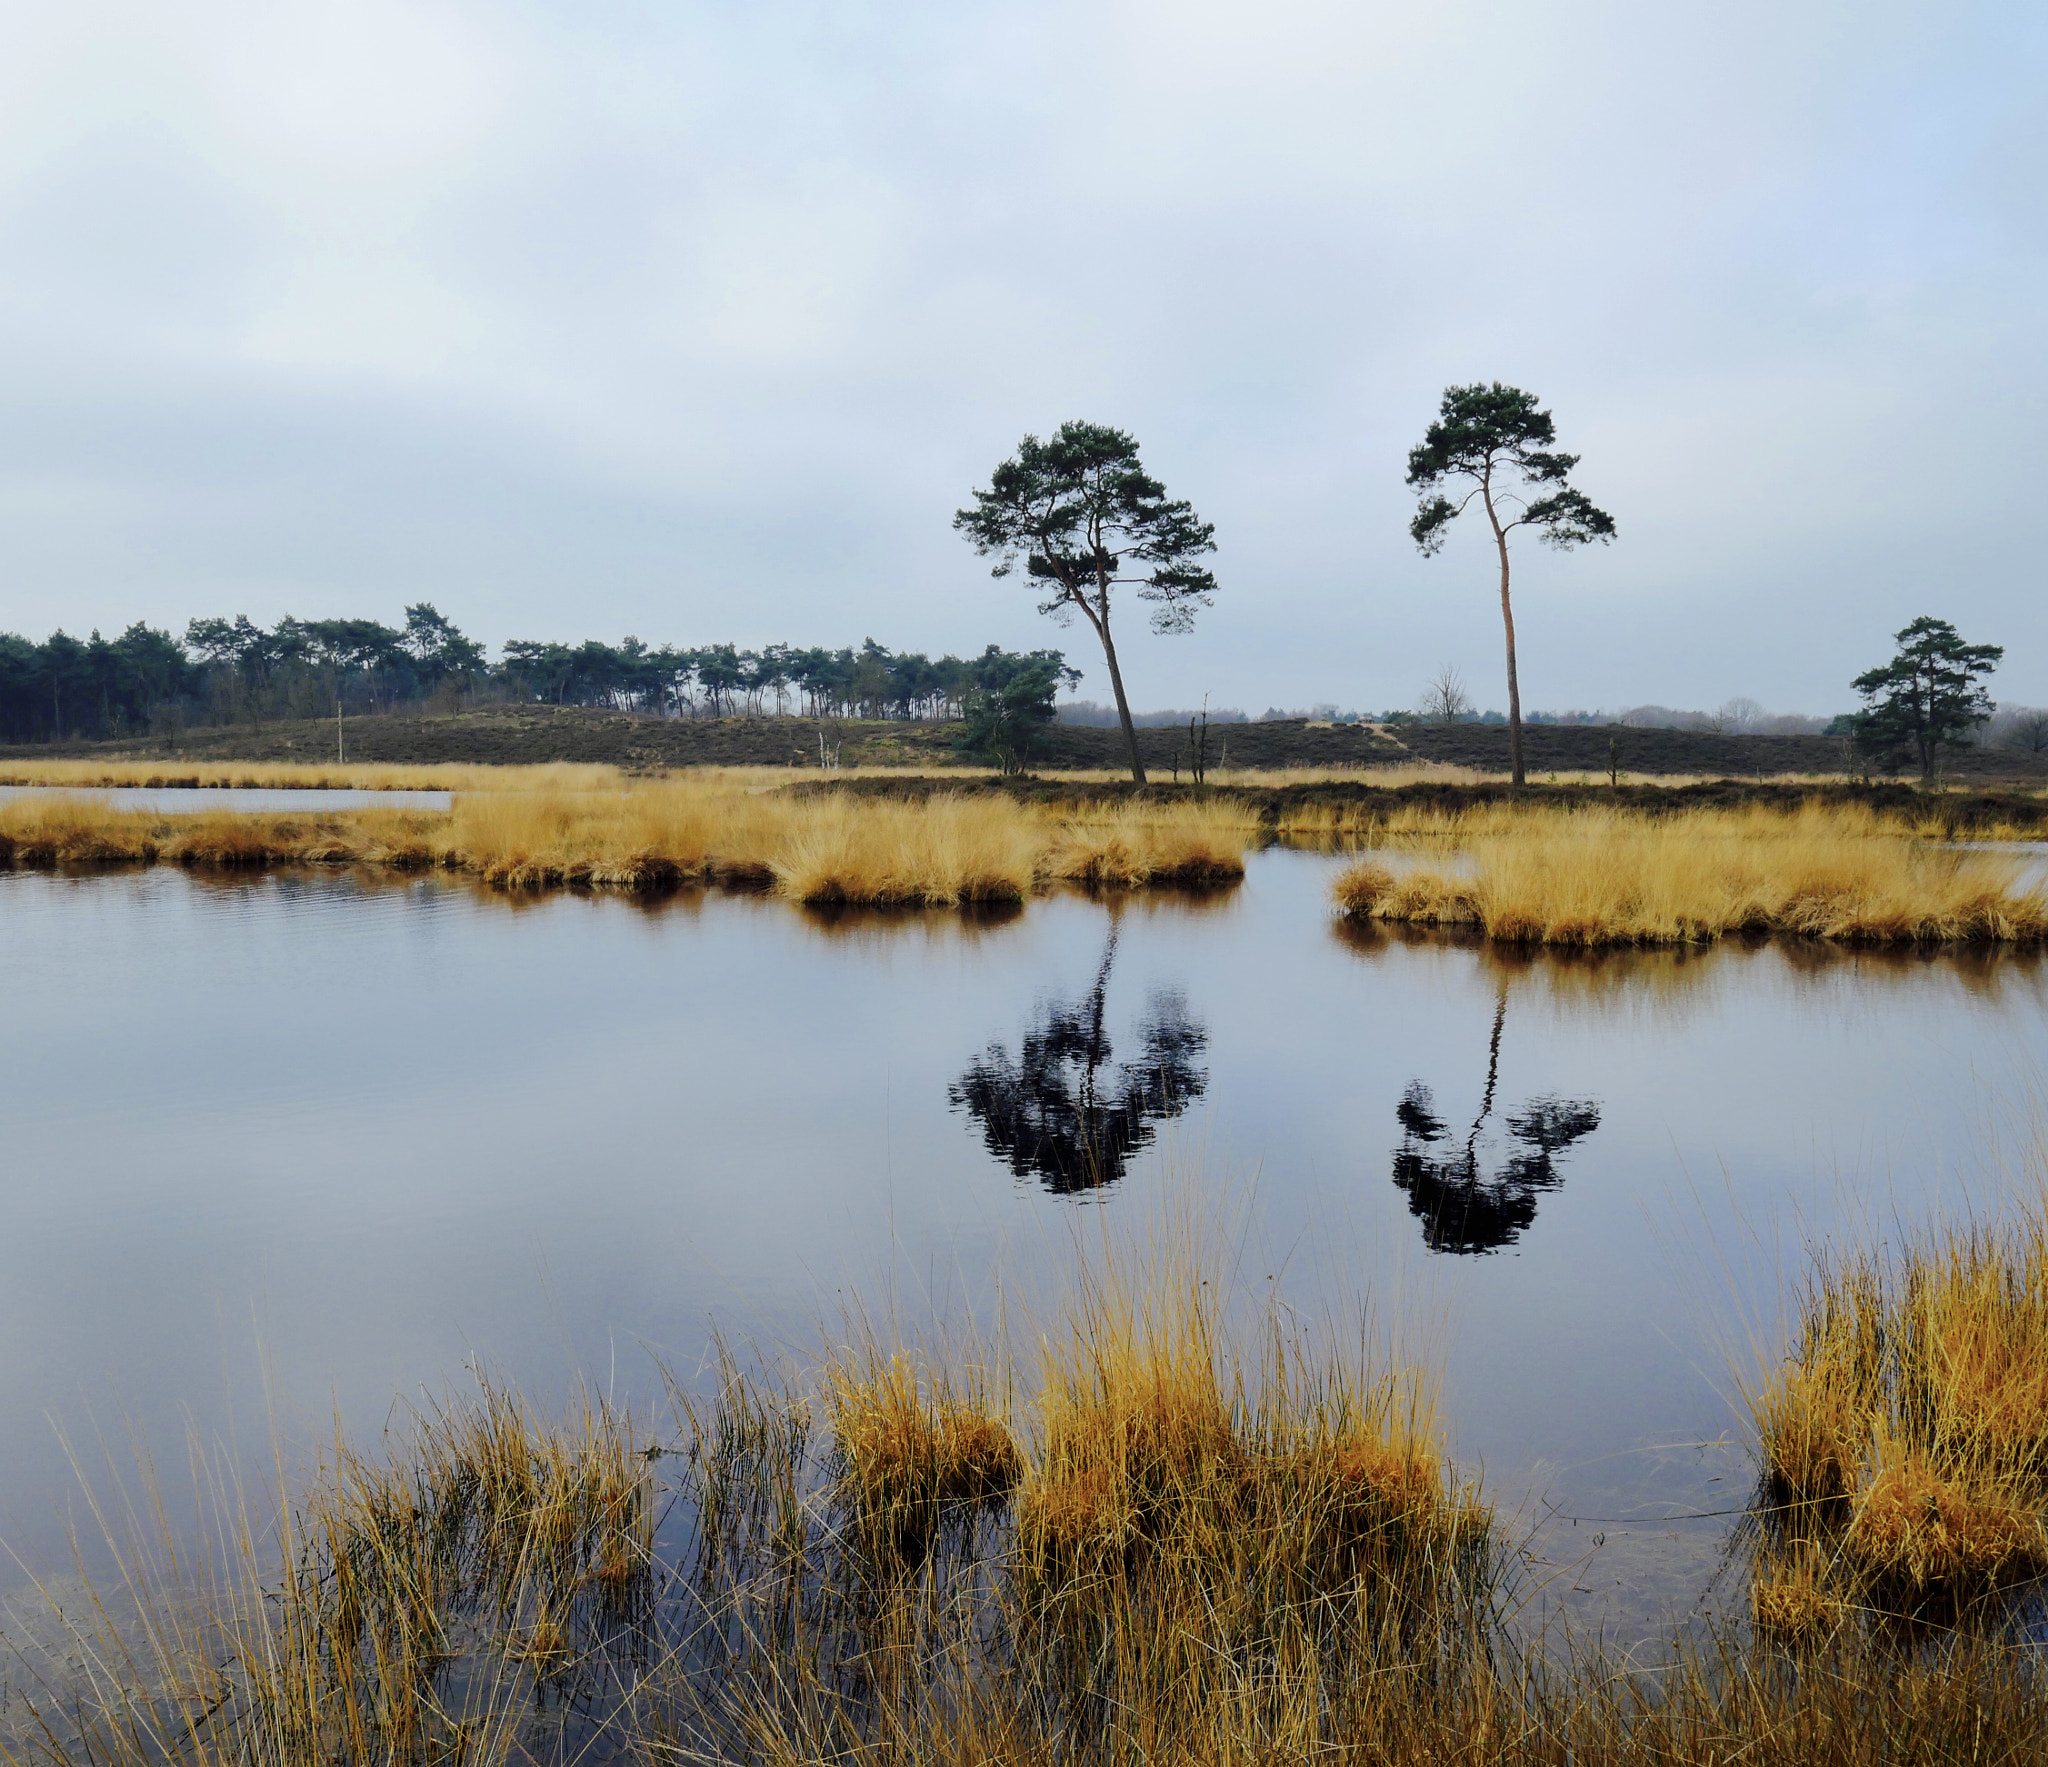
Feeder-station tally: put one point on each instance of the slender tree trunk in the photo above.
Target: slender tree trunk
(1927, 729)
(1116, 682)
(1507, 620)
(1500, 1019)
(1097, 1053)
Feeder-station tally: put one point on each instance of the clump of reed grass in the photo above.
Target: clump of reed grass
(946, 850)
(60, 832)
(1173, 1584)
(47, 833)
(1593, 877)
(1918, 1531)
(1909, 1428)
(1269, 1483)
(918, 1448)
(1151, 1525)
(1795, 1595)
(382, 1615)
(1269, 1561)
(1131, 845)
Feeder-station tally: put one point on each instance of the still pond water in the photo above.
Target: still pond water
(277, 1150)
(167, 799)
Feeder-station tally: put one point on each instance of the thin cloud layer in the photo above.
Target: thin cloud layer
(698, 321)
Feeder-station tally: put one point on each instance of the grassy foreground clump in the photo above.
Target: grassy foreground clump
(1145, 1527)
(1602, 877)
(1150, 1537)
(400, 1610)
(647, 835)
(1905, 1441)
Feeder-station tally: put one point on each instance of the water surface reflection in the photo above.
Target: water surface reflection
(1063, 1110)
(167, 799)
(312, 1139)
(1461, 1210)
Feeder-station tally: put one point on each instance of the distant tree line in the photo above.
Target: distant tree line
(94, 685)
(725, 681)
(230, 671)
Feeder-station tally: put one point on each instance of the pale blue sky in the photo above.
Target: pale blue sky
(699, 320)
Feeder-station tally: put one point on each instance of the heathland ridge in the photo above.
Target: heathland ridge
(529, 735)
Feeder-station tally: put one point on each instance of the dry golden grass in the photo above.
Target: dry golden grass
(1221, 1555)
(1151, 1527)
(379, 1616)
(1429, 828)
(1909, 1429)
(1795, 1596)
(603, 833)
(1158, 1535)
(1245, 1489)
(1149, 1444)
(1610, 877)
(941, 851)
(918, 1446)
(1123, 846)
(1915, 1530)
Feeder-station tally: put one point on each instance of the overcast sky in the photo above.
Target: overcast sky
(698, 321)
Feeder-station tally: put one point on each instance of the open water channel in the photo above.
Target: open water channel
(285, 1149)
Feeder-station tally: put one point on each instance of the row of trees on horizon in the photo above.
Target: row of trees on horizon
(233, 671)
(229, 671)
(1076, 515)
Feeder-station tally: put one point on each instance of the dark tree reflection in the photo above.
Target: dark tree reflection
(1466, 1202)
(1064, 1110)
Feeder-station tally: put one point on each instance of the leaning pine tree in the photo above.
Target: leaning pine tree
(1491, 443)
(1083, 515)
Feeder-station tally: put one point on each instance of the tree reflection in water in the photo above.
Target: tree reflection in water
(1461, 1211)
(1063, 1110)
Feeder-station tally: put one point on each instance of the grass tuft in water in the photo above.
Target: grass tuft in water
(1164, 1528)
(1905, 1441)
(396, 1611)
(1613, 877)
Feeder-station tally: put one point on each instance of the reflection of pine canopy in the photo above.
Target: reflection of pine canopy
(1460, 1210)
(1064, 1109)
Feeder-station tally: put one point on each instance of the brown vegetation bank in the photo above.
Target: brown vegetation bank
(654, 834)
(1601, 876)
